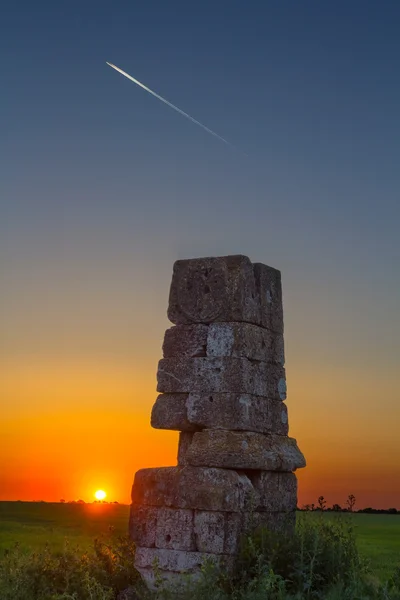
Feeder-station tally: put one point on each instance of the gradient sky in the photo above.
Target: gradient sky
(102, 187)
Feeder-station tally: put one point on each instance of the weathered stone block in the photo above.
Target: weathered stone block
(241, 412)
(269, 296)
(185, 439)
(170, 412)
(185, 340)
(209, 530)
(239, 340)
(143, 525)
(244, 450)
(193, 487)
(186, 529)
(204, 290)
(276, 491)
(174, 560)
(244, 340)
(161, 527)
(209, 375)
(175, 529)
(175, 582)
(217, 532)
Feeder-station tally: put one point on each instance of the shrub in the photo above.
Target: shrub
(69, 575)
(322, 553)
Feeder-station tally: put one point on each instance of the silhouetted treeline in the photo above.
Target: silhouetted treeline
(321, 506)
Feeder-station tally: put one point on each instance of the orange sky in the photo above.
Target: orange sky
(69, 430)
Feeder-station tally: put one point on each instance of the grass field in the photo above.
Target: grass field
(35, 525)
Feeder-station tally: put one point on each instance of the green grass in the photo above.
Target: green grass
(35, 525)
(378, 539)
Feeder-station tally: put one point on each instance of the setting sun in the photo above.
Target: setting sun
(100, 495)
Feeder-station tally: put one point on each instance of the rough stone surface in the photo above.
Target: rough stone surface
(237, 412)
(209, 375)
(190, 530)
(173, 560)
(276, 491)
(269, 296)
(217, 532)
(143, 525)
(161, 527)
(238, 340)
(185, 439)
(241, 412)
(169, 412)
(175, 529)
(185, 340)
(244, 450)
(244, 340)
(194, 532)
(205, 290)
(193, 487)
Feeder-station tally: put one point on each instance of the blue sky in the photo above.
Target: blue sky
(97, 172)
(102, 186)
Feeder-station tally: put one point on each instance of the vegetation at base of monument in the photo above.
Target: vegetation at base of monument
(320, 562)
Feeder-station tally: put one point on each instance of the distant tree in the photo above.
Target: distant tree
(307, 507)
(336, 507)
(313, 506)
(321, 503)
(62, 501)
(351, 501)
(392, 511)
(81, 502)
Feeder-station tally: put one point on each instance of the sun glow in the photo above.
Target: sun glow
(100, 495)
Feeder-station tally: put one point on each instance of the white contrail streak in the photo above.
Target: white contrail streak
(168, 103)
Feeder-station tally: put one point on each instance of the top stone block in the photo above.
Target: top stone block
(204, 290)
(269, 296)
(225, 289)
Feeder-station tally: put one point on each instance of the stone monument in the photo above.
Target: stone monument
(222, 386)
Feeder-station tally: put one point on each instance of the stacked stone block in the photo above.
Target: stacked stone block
(222, 386)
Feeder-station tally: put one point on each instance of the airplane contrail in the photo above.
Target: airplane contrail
(169, 104)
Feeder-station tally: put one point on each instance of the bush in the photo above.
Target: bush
(114, 561)
(322, 553)
(69, 575)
